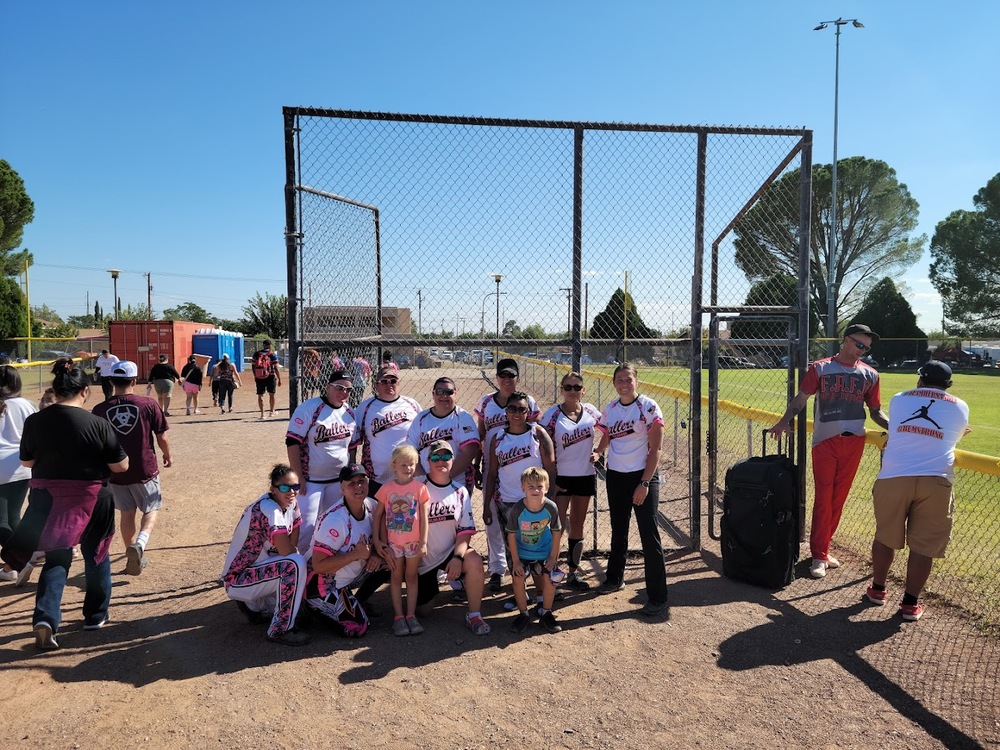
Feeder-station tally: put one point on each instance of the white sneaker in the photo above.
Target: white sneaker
(8, 575)
(818, 569)
(832, 562)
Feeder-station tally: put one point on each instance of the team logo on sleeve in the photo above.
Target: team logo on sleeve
(123, 418)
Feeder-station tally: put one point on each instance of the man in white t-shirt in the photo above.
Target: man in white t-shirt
(913, 495)
(104, 364)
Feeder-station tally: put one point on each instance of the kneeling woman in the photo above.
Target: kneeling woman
(343, 557)
(264, 573)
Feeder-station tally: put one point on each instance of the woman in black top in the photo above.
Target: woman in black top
(191, 377)
(163, 376)
(71, 454)
(229, 381)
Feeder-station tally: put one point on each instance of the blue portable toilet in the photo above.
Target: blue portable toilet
(214, 342)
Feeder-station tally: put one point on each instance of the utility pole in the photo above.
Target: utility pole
(420, 309)
(149, 294)
(569, 310)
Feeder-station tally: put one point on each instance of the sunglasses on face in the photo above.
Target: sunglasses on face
(341, 388)
(287, 487)
(438, 457)
(389, 381)
(517, 409)
(862, 347)
(444, 392)
(572, 387)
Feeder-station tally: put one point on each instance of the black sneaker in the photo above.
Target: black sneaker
(291, 637)
(255, 618)
(576, 583)
(496, 583)
(654, 609)
(609, 587)
(520, 623)
(548, 621)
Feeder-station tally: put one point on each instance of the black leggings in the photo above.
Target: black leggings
(226, 388)
(621, 485)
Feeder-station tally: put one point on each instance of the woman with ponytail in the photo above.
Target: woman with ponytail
(71, 454)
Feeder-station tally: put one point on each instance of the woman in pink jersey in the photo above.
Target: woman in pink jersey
(631, 429)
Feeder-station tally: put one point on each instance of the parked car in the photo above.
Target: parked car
(729, 362)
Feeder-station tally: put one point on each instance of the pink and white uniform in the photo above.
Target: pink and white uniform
(256, 574)
(573, 439)
(382, 425)
(627, 428)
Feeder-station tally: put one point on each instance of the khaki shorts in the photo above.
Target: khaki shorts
(914, 512)
(142, 496)
(164, 385)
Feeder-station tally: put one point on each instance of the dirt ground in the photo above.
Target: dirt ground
(733, 666)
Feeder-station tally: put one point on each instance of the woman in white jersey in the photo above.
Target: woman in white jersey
(520, 445)
(321, 440)
(491, 414)
(631, 429)
(383, 423)
(572, 425)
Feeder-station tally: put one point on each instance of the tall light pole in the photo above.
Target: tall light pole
(831, 300)
(482, 314)
(114, 277)
(569, 310)
(498, 277)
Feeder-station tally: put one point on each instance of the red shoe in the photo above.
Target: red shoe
(875, 596)
(911, 612)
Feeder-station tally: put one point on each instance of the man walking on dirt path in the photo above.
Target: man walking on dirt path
(913, 493)
(266, 375)
(137, 420)
(844, 386)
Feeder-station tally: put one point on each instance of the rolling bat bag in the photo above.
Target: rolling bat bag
(760, 519)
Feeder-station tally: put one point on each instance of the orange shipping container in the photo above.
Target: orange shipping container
(143, 341)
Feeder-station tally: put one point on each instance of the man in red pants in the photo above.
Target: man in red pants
(843, 386)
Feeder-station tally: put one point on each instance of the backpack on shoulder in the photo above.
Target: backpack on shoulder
(261, 365)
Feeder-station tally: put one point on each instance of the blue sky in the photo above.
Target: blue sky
(150, 135)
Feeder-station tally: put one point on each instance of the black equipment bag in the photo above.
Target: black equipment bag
(760, 520)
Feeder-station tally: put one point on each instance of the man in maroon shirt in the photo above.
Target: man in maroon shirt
(137, 420)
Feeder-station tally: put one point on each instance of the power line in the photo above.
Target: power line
(158, 273)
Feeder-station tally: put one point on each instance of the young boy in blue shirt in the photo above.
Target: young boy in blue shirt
(533, 535)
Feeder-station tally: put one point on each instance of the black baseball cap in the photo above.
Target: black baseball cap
(352, 470)
(339, 375)
(505, 366)
(934, 372)
(861, 328)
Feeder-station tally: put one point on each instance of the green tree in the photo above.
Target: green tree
(875, 217)
(534, 331)
(16, 210)
(266, 315)
(45, 313)
(966, 263)
(192, 312)
(610, 322)
(13, 318)
(779, 289)
(139, 312)
(84, 321)
(887, 311)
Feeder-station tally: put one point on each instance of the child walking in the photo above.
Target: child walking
(533, 535)
(402, 535)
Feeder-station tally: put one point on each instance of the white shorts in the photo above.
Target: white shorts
(144, 496)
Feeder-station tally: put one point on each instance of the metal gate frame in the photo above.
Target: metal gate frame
(796, 315)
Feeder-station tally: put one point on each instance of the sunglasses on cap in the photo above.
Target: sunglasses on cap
(517, 409)
(444, 392)
(862, 347)
(572, 387)
(438, 457)
(287, 487)
(389, 381)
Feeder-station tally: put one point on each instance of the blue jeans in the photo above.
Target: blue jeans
(621, 485)
(52, 581)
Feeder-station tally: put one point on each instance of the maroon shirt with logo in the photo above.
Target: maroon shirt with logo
(135, 419)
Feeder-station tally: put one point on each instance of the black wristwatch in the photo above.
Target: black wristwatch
(456, 556)
(644, 483)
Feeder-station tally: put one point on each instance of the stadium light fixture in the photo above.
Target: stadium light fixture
(831, 301)
(114, 277)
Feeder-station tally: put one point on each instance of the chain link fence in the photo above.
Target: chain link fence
(447, 242)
